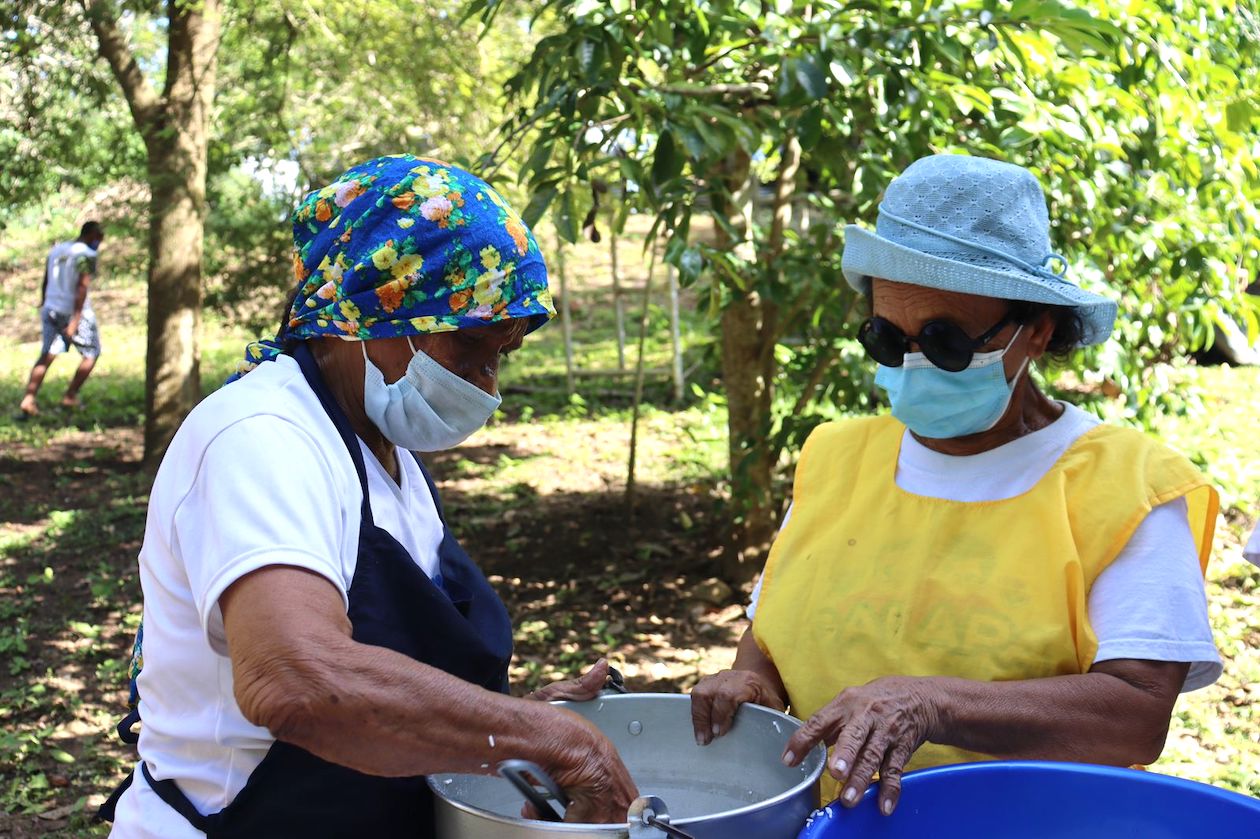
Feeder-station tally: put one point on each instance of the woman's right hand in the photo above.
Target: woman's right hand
(587, 767)
(716, 698)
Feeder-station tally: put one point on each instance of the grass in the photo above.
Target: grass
(549, 470)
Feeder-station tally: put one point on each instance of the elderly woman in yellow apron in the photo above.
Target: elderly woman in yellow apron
(987, 572)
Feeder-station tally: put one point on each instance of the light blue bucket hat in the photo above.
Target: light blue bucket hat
(971, 225)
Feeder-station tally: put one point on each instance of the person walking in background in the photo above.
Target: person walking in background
(66, 315)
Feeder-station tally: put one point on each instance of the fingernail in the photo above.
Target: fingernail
(717, 729)
(840, 765)
(887, 807)
(850, 795)
(699, 739)
(789, 758)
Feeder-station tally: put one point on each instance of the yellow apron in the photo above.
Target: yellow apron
(868, 580)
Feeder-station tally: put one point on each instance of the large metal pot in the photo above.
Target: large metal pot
(734, 787)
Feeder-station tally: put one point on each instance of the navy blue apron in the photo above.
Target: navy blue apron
(455, 623)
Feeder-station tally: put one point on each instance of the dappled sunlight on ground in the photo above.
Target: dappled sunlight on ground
(538, 499)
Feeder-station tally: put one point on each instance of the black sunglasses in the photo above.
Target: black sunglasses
(943, 342)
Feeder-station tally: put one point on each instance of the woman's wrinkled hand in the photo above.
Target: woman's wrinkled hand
(716, 698)
(584, 687)
(875, 728)
(587, 767)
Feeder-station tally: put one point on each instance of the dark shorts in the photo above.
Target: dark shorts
(87, 340)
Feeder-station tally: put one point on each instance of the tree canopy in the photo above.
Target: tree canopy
(780, 121)
(1141, 122)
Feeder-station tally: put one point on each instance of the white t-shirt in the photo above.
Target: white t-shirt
(256, 476)
(66, 261)
(1149, 603)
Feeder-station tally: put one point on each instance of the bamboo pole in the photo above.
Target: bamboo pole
(618, 304)
(638, 385)
(675, 334)
(566, 319)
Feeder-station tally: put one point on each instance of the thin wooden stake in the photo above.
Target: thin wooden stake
(675, 334)
(638, 385)
(618, 304)
(566, 319)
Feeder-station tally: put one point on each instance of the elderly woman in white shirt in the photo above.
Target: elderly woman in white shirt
(315, 640)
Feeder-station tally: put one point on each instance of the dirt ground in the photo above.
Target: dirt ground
(581, 577)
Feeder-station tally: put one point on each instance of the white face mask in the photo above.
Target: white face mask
(429, 409)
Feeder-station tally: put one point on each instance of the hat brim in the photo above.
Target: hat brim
(868, 254)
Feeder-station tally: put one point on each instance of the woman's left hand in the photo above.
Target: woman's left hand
(875, 728)
(584, 687)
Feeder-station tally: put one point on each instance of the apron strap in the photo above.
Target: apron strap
(126, 727)
(310, 369)
(174, 797)
(107, 811)
(433, 493)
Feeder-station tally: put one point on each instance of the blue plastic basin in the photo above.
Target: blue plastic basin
(1038, 800)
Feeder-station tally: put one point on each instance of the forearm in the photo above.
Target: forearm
(1094, 718)
(749, 656)
(80, 299)
(382, 713)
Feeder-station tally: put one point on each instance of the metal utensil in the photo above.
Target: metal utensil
(518, 772)
(647, 812)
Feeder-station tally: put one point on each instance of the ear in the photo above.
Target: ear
(1040, 331)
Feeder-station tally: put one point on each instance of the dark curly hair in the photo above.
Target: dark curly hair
(1069, 326)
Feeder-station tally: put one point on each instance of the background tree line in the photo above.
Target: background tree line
(779, 121)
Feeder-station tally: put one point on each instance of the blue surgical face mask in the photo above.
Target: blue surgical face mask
(429, 409)
(939, 405)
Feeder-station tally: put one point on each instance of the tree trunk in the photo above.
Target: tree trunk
(175, 128)
(748, 369)
(172, 359)
(750, 331)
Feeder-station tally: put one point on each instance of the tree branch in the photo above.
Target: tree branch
(694, 72)
(822, 364)
(697, 90)
(112, 46)
(784, 190)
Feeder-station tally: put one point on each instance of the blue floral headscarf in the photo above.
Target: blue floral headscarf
(403, 245)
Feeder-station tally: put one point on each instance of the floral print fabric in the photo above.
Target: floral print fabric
(404, 245)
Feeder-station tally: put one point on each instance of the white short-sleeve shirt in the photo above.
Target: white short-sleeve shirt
(1149, 603)
(256, 476)
(61, 274)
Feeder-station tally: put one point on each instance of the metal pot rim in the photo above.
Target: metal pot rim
(818, 755)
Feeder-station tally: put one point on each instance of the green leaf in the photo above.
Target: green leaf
(690, 264)
(1238, 115)
(809, 128)
(811, 76)
(843, 73)
(537, 160)
(538, 204)
(564, 216)
(667, 164)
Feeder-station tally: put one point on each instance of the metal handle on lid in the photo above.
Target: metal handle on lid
(649, 814)
(515, 772)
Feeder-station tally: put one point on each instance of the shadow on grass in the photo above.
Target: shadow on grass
(69, 599)
(582, 578)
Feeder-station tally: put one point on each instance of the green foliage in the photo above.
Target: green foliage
(248, 243)
(61, 122)
(1141, 123)
(316, 87)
